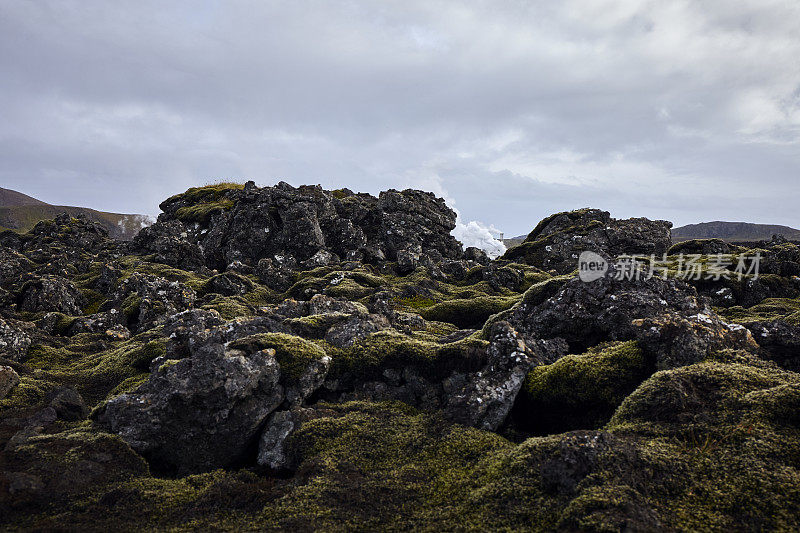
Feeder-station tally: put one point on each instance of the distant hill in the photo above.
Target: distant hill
(20, 212)
(733, 232)
(9, 198)
(513, 241)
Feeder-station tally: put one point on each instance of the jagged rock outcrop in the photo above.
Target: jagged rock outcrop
(667, 316)
(145, 300)
(51, 293)
(484, 399)
(558, 240)
(288, 225)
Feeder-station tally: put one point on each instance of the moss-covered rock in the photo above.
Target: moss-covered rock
(45, 469)
(784, 309)
(580, 391)
(294, 354)
(471, 313)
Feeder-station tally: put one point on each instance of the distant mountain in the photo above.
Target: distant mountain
(513, 241)
(9, 198)
(20, 212)
(733, 231)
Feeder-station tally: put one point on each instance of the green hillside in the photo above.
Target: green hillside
(20, 213)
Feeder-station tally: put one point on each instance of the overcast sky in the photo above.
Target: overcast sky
(682, 110)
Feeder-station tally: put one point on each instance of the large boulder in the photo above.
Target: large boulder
(667, 316)
(168, 242)
(485, 398)
(233, 223)
(557, 241)
(198, 413)
(209, 395)
(51, 293)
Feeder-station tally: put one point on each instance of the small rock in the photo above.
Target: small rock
(8, 380)
(68, 404)
(14, 343)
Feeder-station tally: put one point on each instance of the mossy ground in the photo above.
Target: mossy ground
(724, 458)
(713, 446)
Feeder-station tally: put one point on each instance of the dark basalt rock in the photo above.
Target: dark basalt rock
(97, 323)
(51, 293)
(12, 266)
(667, 316)
(305, 224)
(558, 240)
(781, 259)
(68, 404)
(499, 277)
(702, 247)
(168, 242)
(146, 300)
(485, 398)
(8, 380)
(781, 341)
(198, 413)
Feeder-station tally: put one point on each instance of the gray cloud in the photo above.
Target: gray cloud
(683, 110)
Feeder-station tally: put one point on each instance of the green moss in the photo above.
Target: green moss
(367, 466)
(202, 212)
(370, 356)
(63, 323)
(200, 203)
(349, 289)
(205, 194)
(339, 194)
(29, 392)
(94, 299)
(230, 307)
(45, 357)
(470, 313)
(416, 302)
(785, 309)
(381, 350)
(261, 295)
(580, 391)
(366, 279)
(708, 394)
(316, 326)
(130, 307)
(168, 363)
(440, 329)
(129, 384)
(131, 264)
(293, 353)
(87, 364)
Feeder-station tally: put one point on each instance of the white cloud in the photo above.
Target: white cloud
(664, 108)
(476, 234)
